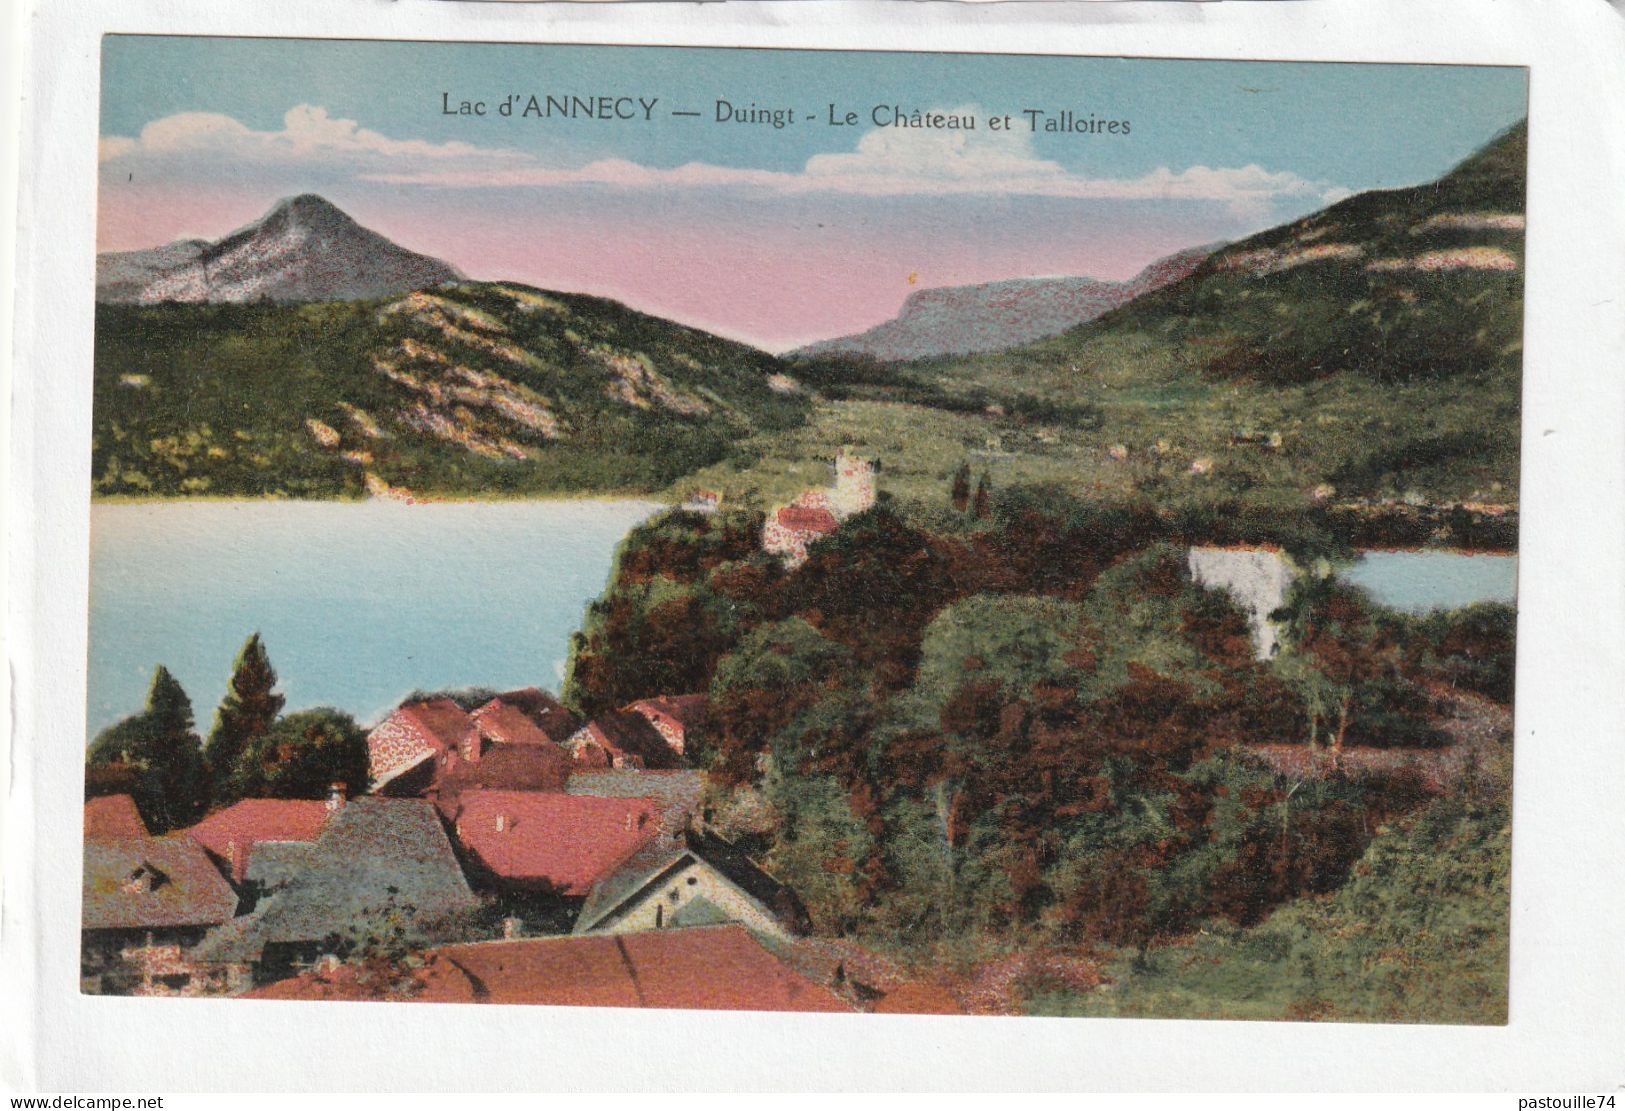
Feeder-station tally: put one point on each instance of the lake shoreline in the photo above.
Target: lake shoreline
(430, 499)
(1388, 531)
(358, 602)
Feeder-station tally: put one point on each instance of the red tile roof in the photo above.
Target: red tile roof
(247, 822)
(686, 709)
(442, 722)
(506, 768)
(113, 816)
(548, 714)
(630, 736)
(802, 519)
(705, 968)
(415, 732)
(354, 982)
(917, 998)
(508, 725)
(565, 842)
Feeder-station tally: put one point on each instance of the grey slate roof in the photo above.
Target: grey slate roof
(276, 864)
(152, 883)
(679, 792)
(379, 861)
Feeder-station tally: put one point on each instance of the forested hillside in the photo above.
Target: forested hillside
(472, 389)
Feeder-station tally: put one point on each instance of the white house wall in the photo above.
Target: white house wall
(694, 880)
(1257, 578)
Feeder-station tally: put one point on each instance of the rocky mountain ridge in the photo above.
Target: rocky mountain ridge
(304, 249)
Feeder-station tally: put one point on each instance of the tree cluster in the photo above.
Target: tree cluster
(253, 749)
(1038, 775)
(1037, 725)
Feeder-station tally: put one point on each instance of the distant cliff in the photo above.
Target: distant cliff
(960, 320)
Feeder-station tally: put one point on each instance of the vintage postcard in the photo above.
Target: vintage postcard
(766, 529)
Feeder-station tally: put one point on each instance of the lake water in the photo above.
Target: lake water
(358, 603)
(1417, 582)
(1260, 579)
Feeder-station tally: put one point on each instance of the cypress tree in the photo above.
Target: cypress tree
(249, 709)
(961, 490)
(163, 754)
(983, 495)
(177, 759)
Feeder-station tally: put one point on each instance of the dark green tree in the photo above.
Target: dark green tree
(250, 708)
(983, 497)
(300, 756)
(777, 672)
(162, 751)
(961, 489)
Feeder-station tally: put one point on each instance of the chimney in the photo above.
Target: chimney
(238, 862)
(335, 796)
(502, 822)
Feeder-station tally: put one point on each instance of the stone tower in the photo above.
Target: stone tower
(854, 489)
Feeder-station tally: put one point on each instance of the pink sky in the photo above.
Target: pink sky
(776, 272)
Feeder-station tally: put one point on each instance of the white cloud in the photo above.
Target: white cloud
(887, 161)
(309, 138)
(887, 158)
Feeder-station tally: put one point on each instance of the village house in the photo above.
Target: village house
(793, 528)
(147, 903)
(381, 871)
(427, 739)
(525, 717)
(113, 816)
(675, 717)
(691, 879)
(543, 767)
(677, 792)
(409, 748)
(543, 852)
(234, 834)
(623, 739)
(815, 514)
(711, 968)
(703, 501)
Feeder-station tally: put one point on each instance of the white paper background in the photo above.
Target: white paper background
(1567, 1030)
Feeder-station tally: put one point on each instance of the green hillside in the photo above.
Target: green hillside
(1380, 339)
(493, 389)
(1399, 287)
(1366, 353)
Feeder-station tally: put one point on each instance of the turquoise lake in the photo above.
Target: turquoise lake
(358, 603)
(361, 603)
(1419, 581)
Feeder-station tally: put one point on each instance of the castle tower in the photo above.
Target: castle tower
(854, 489)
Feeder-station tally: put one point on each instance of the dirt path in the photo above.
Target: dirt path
(1480, 733)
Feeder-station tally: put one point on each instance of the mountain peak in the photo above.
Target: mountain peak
(308, 206)
(305, 248)
(311, 201)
